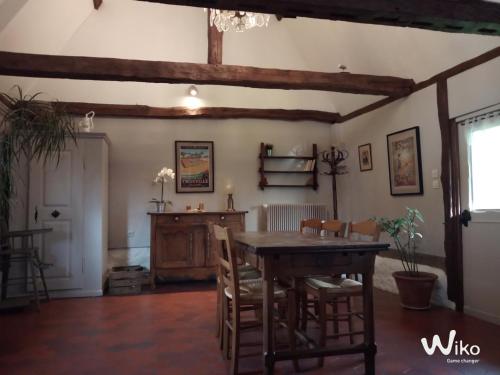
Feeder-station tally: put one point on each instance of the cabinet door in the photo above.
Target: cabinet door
(180, 246)
(56, 201)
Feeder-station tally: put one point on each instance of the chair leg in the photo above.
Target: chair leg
(225, 328)
(335, 310)
(292, 325)
(5, 275)
(350, 321)
(303, 301)
(235, 340)
(218, 312)
(33, 279)
(42, 276)
(322, 323)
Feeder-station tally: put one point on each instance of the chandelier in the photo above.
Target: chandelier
(237, 20)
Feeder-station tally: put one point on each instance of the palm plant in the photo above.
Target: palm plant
(29, 129)
(405, 234)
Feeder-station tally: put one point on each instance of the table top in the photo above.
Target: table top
(197, 213)
(275, 243)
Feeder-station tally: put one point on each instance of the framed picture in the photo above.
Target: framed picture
(194, 167)
(405, 163)
(365, 157)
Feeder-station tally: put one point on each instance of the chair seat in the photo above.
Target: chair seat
(248, 272)
(252, 290)
(334, 285)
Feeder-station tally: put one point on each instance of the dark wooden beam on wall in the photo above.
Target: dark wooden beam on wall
(450, 180)
(143, 111)
(467, 16)
(97, 4)
(369, 108)
(111, 69)
(214, 44)
(448, 73)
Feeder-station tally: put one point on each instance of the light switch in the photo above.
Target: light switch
(435, 173)
(436, 184)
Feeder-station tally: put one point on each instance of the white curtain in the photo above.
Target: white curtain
(483, 144)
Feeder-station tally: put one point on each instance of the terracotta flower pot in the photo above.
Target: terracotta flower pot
(415, 290)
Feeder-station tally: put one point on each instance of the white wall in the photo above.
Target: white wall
(474, 89)
(357, 190)
(140, 148)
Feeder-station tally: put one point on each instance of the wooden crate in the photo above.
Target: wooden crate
(126, 280)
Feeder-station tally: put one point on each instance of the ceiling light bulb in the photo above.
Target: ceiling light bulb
(193, 91)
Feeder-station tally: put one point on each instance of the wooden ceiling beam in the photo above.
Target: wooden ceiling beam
(444, 75)
(466, 16)
(143, 111)
(214, 43)
(112, 69)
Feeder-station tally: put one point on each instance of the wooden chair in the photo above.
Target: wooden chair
(313, 224)
(245, 272)
(364, 230)
(334, 226)
(243, 295)
(332, 290)
(338, 228)
(27, 254)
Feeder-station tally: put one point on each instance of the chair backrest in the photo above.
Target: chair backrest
(335, 226)
(310, 224)
(365, 228)
(228, 260)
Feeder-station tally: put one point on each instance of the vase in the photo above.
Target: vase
(415, 290)
(161, 206)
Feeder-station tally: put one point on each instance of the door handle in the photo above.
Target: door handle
(36, 215)
(465, 217)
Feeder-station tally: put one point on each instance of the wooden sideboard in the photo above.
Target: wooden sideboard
(181, 246)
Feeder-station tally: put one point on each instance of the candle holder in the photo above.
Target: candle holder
(230, 202)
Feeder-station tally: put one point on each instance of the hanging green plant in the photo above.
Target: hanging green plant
(30, 129)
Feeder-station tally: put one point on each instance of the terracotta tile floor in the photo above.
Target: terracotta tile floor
(172, 332)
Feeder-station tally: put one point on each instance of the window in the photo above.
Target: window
(484, 165)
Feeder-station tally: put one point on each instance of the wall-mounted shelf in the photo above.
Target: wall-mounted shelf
(291, 157)
(292, 172)
(263, 157)
(289, 186)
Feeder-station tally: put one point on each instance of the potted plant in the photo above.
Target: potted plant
(162, 177)
(415, 287)
(29, 130)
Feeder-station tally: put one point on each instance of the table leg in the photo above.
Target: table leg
(369, 324)
(268, 307)
(5, 275)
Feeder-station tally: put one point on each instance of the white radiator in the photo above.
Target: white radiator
(284, 217)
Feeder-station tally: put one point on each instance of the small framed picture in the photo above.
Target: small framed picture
(365, 157)
(194, 167)
(405, 163)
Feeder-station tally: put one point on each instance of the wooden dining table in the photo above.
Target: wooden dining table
(286, 255)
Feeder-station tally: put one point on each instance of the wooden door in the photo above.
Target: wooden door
(181, 246)
(480, 181)
(56, 202)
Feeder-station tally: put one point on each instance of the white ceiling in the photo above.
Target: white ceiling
(141, 30)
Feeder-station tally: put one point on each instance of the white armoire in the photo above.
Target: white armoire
(71, 197)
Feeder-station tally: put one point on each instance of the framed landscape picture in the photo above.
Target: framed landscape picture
(365, 157)
(405, 164)
(194, 164)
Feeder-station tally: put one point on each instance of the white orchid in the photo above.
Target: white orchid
(162, 177)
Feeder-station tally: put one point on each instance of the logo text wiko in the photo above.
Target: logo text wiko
(457, 347)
